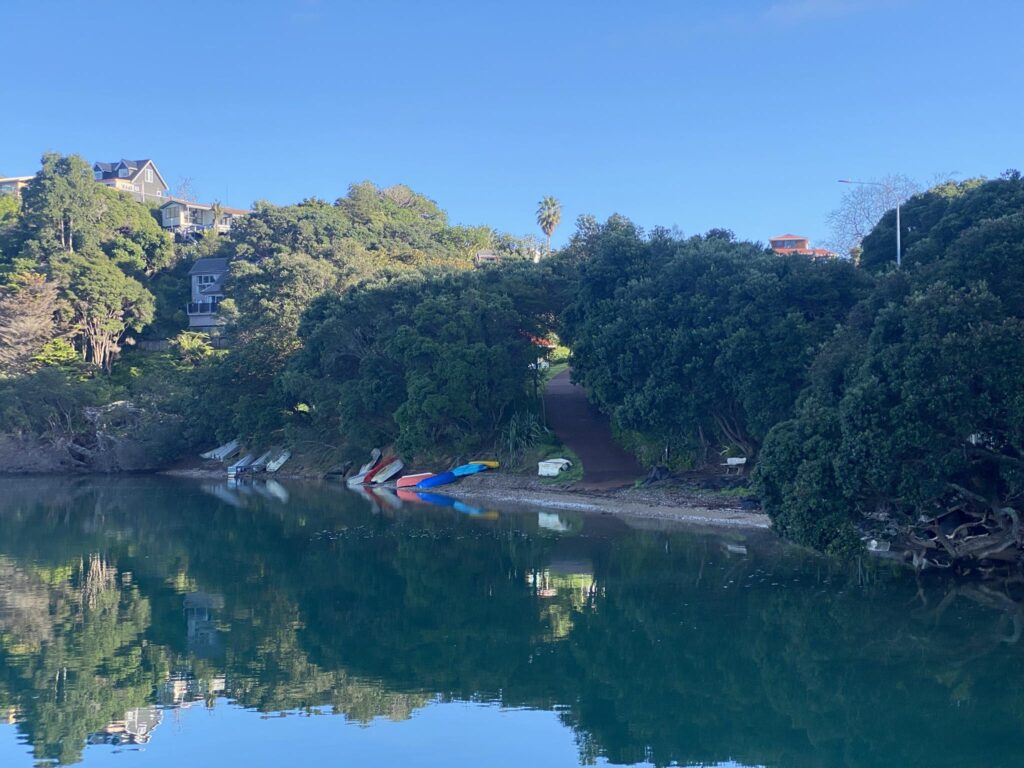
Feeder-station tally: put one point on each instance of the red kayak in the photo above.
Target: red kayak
(409, 480)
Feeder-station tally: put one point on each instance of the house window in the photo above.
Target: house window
(149, 175)
(206, 279)
(98, 175)
(123, 173)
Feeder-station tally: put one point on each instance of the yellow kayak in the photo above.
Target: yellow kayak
(487, 463)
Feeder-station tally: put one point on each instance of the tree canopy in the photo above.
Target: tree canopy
(698, 339)
(913, 415)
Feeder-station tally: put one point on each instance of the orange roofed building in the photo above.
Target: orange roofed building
(786, 245)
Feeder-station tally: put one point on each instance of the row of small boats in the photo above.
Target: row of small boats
(267, 462)
(270, 461)
(380, 469)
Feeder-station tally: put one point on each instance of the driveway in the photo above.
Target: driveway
(584, 429)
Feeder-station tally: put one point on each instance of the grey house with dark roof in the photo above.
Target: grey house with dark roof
(139, 178)
(207, 280)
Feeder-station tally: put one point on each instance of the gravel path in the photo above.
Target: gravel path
(585, 430)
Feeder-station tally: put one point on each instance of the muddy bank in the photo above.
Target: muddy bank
(661, 502)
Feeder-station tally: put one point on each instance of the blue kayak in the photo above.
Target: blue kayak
(469, 469)
(432, 482)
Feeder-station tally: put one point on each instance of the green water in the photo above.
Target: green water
(153, 622)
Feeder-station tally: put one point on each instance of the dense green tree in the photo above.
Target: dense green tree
(94, 243)
(914, 408)
(702, 338)
(933, 220)
(61, 206)
(433, 364)
(105, 303)
(283, 258)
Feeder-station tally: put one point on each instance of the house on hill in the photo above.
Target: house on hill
(12, 185)
(207, 283)
(487, 257)
(184, 217)
(787, 245)
(139, 178)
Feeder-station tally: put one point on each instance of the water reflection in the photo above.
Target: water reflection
(121, 601)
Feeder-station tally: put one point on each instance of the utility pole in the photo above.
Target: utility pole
(899, 248)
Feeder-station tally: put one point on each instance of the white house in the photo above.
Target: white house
(186, 217)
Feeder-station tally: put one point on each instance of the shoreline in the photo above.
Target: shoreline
(667, 503)
(660, 503)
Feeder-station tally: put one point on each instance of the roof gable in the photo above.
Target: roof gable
(135, 167)
(210, 266)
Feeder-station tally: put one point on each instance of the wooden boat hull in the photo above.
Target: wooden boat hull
(410, 480)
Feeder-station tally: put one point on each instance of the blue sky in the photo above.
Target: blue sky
(728, 113)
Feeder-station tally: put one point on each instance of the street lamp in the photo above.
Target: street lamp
(899, 260)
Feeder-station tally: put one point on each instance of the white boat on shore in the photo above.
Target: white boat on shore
(374, 458)
(222, 452)
(276, 463)
(242, 465)
(387, 472)
(260, 465)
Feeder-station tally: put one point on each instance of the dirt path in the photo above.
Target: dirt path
(587, 432)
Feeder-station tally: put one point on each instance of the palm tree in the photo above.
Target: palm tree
(549, 216)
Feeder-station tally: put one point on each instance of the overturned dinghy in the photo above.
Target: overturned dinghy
(408, 481)
(388, 471)
(240, 466)
(223, 452)
(260, 465)
(433, 482)
(276, 463)
(365, 473)
(365, 477)
(374, 460)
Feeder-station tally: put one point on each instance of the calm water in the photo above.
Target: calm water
(153, 622)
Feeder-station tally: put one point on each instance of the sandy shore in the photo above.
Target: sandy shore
(659, 502)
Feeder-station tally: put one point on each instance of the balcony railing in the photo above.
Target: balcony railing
(202, 307)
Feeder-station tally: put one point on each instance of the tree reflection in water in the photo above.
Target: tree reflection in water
(666, 646)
